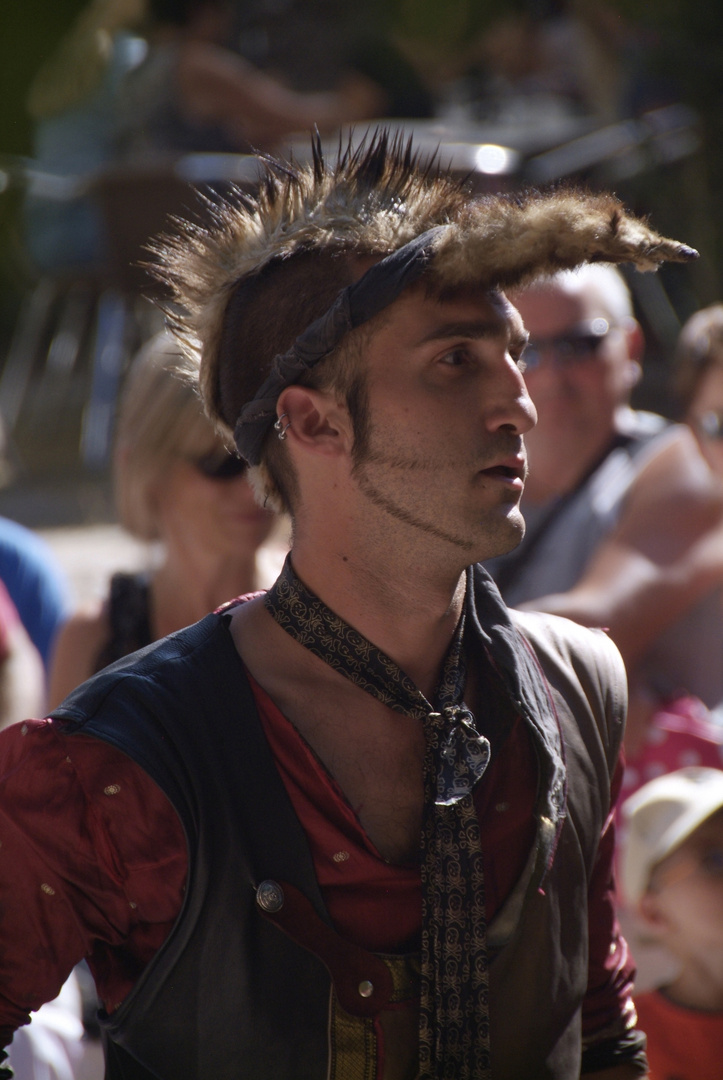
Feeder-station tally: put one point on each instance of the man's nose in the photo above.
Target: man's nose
(512, 407)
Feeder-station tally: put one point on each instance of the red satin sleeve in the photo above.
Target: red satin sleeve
(92, 865)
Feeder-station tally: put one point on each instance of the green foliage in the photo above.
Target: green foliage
(29, 33)
(444, 26)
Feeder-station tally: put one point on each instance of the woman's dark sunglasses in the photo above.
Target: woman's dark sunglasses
(220, 466)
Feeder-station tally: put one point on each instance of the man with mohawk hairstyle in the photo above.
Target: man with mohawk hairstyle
(359, 826)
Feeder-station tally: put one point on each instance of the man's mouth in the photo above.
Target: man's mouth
(512, 473)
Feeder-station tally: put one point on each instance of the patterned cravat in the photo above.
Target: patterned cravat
(454, 1023)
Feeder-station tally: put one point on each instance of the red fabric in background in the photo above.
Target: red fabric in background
(683, 1044)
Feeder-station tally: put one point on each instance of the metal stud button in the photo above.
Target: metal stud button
(270, 896)
(366, 988)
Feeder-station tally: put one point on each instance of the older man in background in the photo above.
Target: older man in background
(617, 501)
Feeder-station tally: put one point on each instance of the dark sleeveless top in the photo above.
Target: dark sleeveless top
(129, 616)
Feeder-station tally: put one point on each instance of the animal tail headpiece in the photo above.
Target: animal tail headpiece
(377, 200)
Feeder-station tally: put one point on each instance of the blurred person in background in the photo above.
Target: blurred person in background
(22, 676)
(564, 54)
(616, 500)
(72, 103)
(623, 531)
(699, 394)
(176, 483)
(315, 44)
(193, 93)
(135, 81)
(54, 1046)
(36, 584)
(699, 381)
(672, 874)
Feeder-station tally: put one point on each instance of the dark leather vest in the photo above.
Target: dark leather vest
(210, 1003)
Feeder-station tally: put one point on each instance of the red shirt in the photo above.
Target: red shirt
(683, 1044)
(373, 903)
(93, 861)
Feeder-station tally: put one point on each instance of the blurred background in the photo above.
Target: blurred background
(116, 115)
(624, 95)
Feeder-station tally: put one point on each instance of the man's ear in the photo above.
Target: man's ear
(314, 421)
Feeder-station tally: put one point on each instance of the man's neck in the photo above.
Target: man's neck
(407, 613)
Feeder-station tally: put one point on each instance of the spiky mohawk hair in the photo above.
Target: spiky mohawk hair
(372, 201)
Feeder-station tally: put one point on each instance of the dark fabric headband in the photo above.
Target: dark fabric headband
(358, 303)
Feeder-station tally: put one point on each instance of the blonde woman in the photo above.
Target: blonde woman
(177, 485)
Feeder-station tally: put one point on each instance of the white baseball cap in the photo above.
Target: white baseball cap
(660, 816)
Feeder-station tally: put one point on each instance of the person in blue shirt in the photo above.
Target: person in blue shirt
(36, 583)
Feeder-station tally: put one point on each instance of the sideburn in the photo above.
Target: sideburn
(357, 401)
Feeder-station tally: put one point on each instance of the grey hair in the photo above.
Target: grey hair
(606, 280)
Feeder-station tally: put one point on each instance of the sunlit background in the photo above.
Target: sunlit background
(625, 95)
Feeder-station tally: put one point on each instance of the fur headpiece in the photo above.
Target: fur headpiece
(374, 200)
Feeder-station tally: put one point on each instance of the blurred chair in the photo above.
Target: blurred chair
(78, 326)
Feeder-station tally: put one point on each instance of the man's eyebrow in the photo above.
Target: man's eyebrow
(488, 328)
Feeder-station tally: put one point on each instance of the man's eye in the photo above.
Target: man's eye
(455, 358)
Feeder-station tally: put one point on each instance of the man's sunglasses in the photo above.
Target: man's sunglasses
(567, 350)
(220, 466)
(709, 425)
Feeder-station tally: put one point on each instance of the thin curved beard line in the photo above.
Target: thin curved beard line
(397, 512)
(372, 457)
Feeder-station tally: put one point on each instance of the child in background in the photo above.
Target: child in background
(672, 875)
